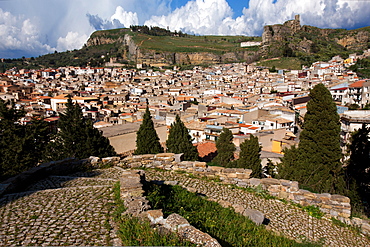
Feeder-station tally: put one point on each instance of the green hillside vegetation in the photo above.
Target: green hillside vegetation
(362, 68)
(305, 46)
(290, 63)
(212, 44)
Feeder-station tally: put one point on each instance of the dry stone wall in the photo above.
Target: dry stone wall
(336, 206)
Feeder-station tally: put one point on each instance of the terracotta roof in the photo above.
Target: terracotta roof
(357, 83)
(206, 148)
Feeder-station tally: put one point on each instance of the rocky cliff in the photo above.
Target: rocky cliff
(292, 39)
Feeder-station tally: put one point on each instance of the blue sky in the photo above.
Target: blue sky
(36, 27)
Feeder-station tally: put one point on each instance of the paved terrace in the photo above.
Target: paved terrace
(75, 210)
(61, 210)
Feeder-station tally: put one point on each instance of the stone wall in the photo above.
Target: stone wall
(337, 206)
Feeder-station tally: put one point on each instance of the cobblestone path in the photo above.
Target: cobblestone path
(61, 210)
(284, 218)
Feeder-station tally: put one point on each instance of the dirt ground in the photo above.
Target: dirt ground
(127, 142)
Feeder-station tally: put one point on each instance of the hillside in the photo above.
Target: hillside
(310, 44)
(160, 47)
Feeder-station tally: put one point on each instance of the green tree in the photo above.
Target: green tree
(77, 137)
(180, 141)
(249, 157)
(225, 148)
(269, 169)
(318, 157)
(147, 140)
(21, 146)
(357, 169)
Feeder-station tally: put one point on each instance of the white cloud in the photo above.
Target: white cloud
(215, 16)
(200, 16)
(72, 40)
(124, 17)
(19, 33)
(119, 19)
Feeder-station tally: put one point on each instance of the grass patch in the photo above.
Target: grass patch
(135, 232)
(289, 63)
(314, 211)
(224, 224)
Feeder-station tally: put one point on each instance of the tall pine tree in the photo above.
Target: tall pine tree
(318, 156)
(77, 137)
(147, 140)
(250, 156)
(225, 148)
(180, 141)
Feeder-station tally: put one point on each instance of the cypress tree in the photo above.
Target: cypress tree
(180, 141)
(225, 148)
(318, 156)
(147, 140)
(77, 137)
(357, 169)
(97, 144)
(250, 156)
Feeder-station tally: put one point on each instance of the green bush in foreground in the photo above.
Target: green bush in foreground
(224, 224)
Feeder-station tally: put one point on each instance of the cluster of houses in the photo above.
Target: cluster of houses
(245, 98)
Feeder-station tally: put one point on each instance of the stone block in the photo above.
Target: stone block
(165, 156)
(365, 228)
(346, 205)
(333, 213)
(274, 188)
(340, 198)
(136, 205)
(114, 159)
(243, 175)
(186, 164)
(356, 221)
(254, 182)
(345, 215)
(242, 184)
(175, 222)
(178, 157)
(283, 195)
(238, 208)
(200, 164)
(255, 215)
(225, 204)
(216, 168)
(327, 206)
(195, 236)
(148, 156)
(231, 175)
(270, 181)
(155, 216)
